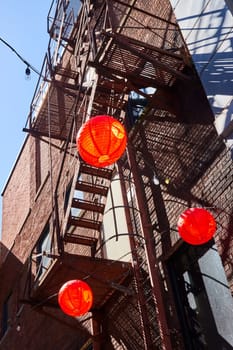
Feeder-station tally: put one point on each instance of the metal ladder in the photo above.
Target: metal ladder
(86, 205)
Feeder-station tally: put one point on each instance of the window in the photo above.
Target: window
(41, 162)
(137, 104)
(44, 247)
(204, 301)
(135, 107)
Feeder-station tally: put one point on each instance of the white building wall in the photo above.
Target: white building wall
(115, 232)
(207, 27)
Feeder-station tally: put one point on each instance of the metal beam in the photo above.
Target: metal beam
(115, 74)
(133, 7)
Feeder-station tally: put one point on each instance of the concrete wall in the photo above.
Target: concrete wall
(207, 28)
(117, 245)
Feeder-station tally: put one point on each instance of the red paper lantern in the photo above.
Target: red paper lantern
(75, 298)
(196, 226)
(101, 141)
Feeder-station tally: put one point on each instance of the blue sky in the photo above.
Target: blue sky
(23, 24)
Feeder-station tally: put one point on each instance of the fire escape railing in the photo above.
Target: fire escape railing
(39, 94)
(108, 30)
(101, 33)
(107, 41)
(58, 77)
(121, 51)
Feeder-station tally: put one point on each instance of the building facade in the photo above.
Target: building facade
(164, 70)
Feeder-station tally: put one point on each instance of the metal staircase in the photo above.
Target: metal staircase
(86, 206)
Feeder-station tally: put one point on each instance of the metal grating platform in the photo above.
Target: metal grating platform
(53, 113)
(143, 64)
(102, 275)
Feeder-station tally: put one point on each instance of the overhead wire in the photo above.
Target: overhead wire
(29, 65)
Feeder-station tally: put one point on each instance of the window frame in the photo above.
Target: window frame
(42, 261)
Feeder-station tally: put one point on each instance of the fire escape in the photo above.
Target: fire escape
(66, 93)
(93, 62)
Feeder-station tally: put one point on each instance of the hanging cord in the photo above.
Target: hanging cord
(21, 58)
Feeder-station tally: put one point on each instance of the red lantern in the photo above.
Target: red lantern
(101, 141)
(75, 298)
(196, 226)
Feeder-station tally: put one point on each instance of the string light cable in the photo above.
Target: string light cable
(29, 66)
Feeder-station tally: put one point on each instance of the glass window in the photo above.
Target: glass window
(43, 248)
(137, 103)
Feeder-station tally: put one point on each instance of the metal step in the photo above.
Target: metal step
(82, 240)
(87, 187)
(86, 223)
(79, 239)
(87, 205)
(100, 172)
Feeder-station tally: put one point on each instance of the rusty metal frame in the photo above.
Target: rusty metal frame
(133, 7)
(137, 274)
(126, 44)
(152, 260)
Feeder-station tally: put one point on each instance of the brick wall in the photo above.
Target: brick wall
(16, 197)
(33, 208)
(193, 168)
